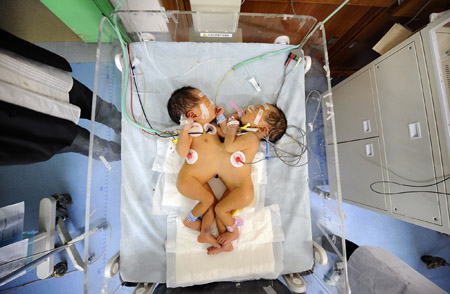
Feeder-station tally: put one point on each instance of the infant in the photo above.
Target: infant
(267, 122)
(199, 143)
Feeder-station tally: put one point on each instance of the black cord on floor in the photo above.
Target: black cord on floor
(411, 186)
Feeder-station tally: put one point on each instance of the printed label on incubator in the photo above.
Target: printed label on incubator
(216, 35)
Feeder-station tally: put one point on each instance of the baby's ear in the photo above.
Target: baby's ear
(191, 114)
(264, 130)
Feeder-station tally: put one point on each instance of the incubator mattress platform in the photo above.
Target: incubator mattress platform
(149, 237)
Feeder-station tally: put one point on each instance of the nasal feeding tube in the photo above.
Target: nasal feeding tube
(238, 110)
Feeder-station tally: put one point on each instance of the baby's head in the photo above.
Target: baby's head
(268, 118)
(190, 102)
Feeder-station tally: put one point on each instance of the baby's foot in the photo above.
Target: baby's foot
(225, 248)
(196, 225)
(208, 238)
(227, 237)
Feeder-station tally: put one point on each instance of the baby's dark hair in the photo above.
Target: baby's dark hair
(181, 101)
(277, 123)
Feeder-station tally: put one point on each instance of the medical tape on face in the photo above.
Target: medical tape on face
(258, 117)
(266, 107)
(250, 108)
(204, 110)
(200, 94)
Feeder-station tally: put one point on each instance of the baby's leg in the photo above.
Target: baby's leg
(222, 229)
(194, 189)
(237, 198)
(220, 226)
(208, 218)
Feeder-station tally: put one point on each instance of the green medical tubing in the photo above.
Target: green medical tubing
(126, 61)
(126, 72)
(292, 47)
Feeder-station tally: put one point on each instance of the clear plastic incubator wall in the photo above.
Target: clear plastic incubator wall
(142, 57)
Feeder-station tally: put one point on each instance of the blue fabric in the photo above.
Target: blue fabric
(191, 217)
(221, 119)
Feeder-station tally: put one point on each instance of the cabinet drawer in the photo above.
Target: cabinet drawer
(409, 157)
(360, 166)
(354, 108)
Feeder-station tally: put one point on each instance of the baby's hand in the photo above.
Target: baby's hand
(219, 111)
(186, 122)
(232, 123)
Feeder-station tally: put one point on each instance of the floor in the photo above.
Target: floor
(68, 174)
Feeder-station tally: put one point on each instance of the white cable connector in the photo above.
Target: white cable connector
(232, 122)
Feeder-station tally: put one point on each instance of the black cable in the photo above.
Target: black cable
(142, 107)
(140, 101)
(139, 97)
(420, 10)
(288, 158)
(411, 186)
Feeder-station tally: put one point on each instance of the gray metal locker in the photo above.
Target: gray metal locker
(361, 161)
(355, 111)
(409, 157)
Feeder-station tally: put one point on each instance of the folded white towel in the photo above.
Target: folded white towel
(257, 253)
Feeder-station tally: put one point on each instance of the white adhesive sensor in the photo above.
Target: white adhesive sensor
(196, 130)
(237, 159)
(211, 128)
(192, 157)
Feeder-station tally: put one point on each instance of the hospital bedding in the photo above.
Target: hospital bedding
(161, 68)
(257, 253)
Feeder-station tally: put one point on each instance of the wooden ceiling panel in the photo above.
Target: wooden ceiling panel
(358, 26)
(370, 3)
(409, 8)
(367, 32)
(342, 22)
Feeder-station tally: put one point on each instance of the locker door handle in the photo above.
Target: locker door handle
(366, 126)
(414, 131)
(369, 150)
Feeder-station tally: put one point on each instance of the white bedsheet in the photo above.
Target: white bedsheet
(257, 253)
(168, 66)
(254, 256)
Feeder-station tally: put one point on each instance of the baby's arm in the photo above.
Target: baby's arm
(184, 140)
(234, 143)
(222, 120)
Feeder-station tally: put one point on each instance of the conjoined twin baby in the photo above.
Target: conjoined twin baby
(207, 157)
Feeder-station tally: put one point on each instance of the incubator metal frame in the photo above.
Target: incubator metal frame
(327, 213)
